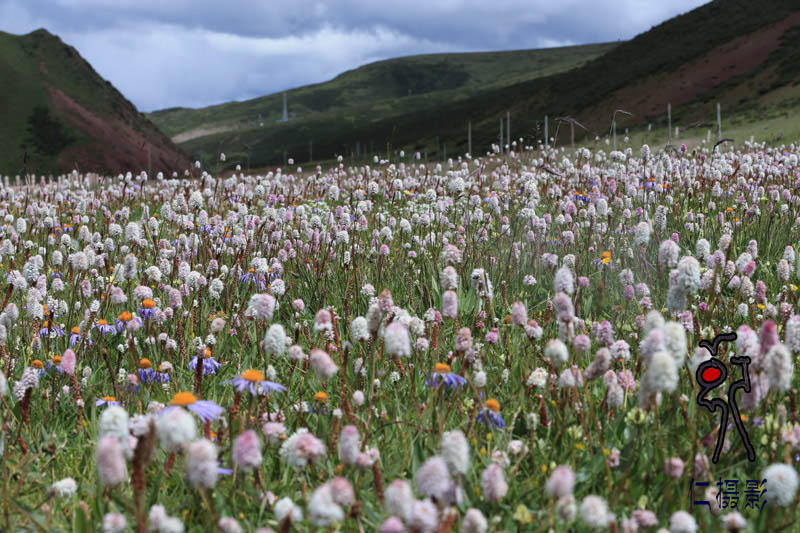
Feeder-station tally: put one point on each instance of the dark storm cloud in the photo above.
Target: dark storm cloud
(182, 52)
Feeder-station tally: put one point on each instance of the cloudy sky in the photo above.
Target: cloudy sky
(192, 53)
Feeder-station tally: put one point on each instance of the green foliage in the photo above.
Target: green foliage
(46, 134)
(36, 68)
(585, 89)
(409, 83)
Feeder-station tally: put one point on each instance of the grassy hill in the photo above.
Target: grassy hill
(414, 83)
(59, 111)
(730, 51)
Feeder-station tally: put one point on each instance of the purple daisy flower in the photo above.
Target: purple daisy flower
(45, 331)
(491, 417)
(104, 327)
(442, 374)
(121, 324)
(204, 409)
(146, 375)
(210, 365)
(253, 381)
(106, 400)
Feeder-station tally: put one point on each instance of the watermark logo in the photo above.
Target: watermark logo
(713, 373)
(728, 493)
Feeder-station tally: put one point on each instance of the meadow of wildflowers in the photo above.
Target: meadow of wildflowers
(501, 343)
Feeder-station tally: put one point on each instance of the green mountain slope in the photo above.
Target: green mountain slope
(730, 51)
(411, 83)
(56, 109)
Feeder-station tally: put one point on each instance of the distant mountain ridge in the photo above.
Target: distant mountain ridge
(58, 114)
(742, 54)
(379, 89)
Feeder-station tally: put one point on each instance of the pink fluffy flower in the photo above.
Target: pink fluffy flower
(761, 292)
(399, 499)
(493, 483)
(273, 431)
(114, 523)
(519, 315)
(393, 525)
(768, 336)
(342, 491)
(323, 321)
(385, 301)
(561, 482)
(433, 478)
(605, 333)
(110, 461)
(582, 343)
(68, 362)
(450, 304)
(322, 364)
(463, 340)
(673, 467)
(263, 306)
(613, 458)
(349, 445)
(645, 518)
(247, 451)
(175, 298)
(302, 448)
(117, 296)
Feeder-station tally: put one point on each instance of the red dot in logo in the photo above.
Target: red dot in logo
(710, 374)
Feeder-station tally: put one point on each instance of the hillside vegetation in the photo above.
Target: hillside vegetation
(395, 87)
(733, 52)
(56, 109)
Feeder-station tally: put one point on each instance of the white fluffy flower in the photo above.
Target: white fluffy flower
(780, 367)
(286, 507)
(275, 340)
(433, 478)
(474, 522)
(201, 464)
(682, 522)
(556, 352)
(642, 234)
(396, 340)
(323, 511)
(359, 330)
(175, 427)
(564, 281)
(675, 341)
(782, 481)
(64, 488)
(594, 512)
(661, 376)
(455, 451)
(538, 378)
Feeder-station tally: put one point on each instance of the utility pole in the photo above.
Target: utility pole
(501, 135)
(508, 129)
(614, 132)
(669, 122)
(546, 136)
